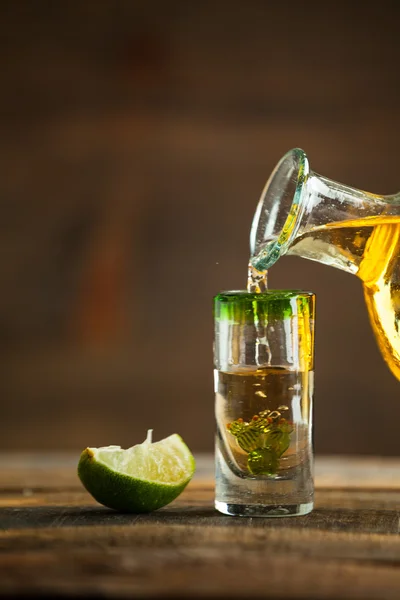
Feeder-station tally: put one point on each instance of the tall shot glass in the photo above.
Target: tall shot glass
(264, 380)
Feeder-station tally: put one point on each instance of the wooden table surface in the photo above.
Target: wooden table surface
(55, 539)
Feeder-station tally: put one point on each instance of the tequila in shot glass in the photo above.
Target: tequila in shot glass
(263, 358)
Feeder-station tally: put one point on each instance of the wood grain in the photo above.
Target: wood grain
(55, 539)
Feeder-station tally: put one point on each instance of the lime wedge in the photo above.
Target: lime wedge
(139, 479)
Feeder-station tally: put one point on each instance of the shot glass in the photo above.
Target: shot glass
(264, 381)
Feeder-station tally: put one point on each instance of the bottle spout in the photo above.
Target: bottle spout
(299, 210)
(279, 209)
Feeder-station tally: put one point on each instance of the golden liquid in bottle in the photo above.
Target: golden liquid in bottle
(372, 248)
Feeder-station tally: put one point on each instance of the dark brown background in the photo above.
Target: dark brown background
(136, 139)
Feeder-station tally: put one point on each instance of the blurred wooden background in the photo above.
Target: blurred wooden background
(136, 139)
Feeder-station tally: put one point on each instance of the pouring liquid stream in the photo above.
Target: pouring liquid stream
(257, 281)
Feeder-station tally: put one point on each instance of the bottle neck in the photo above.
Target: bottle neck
(336, 222)
(326, 202)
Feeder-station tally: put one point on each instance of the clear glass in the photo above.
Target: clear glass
(264, 379)
(302, 213)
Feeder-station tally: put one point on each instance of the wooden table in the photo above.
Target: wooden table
(55, 539)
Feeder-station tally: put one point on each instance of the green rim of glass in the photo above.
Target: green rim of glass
(239, 305)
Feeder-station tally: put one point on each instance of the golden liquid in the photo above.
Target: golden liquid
(371, 248)
(257, 281)
(246, 392)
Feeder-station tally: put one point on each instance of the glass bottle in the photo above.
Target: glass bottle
(305, 214)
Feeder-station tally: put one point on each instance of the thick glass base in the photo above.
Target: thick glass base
(264, 510)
